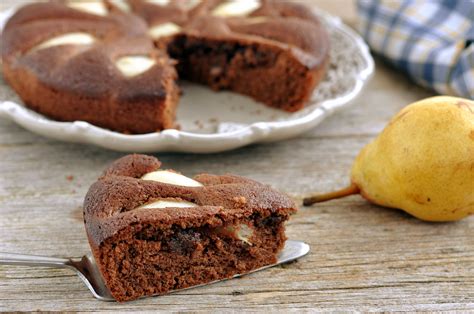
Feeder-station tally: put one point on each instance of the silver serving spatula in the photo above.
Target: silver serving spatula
(87, 270)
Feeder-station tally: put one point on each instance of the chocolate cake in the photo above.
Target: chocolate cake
(152, 231)
(115, 63)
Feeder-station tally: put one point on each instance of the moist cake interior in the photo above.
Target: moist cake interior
(267, 73)
(151, 261)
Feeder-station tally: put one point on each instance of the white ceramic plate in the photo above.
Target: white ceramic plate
(213, 122)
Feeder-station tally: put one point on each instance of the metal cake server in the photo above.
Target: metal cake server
(87, 270)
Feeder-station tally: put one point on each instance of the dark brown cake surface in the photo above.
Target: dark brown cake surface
(149, 237)
(119, 68)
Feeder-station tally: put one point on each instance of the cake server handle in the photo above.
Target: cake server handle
(33, 260)
(85, 268)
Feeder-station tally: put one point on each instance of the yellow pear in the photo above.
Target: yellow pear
(422, 162)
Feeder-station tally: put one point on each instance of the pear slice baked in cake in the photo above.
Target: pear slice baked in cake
(152, 231)
(116, 63)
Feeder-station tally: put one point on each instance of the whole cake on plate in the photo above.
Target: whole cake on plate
(152, 231)
(115, 64)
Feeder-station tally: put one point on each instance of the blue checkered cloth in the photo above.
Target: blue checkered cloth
(431, 40)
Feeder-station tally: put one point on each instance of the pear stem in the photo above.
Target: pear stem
(350, 190)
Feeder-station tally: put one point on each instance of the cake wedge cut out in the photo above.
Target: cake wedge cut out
(116, 64)
(150, 237)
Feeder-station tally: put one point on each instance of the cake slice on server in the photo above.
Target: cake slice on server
(152, 231)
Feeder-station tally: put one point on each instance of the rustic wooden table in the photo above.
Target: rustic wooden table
(363, 257)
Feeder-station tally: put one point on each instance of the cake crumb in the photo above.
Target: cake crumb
(240, 200)
(199, 124)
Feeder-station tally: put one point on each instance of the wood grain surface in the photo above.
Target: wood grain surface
(363, 257)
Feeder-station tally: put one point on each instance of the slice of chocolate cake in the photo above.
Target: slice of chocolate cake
(152, 231)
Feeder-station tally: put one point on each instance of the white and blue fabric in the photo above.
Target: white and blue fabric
(431, 40)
